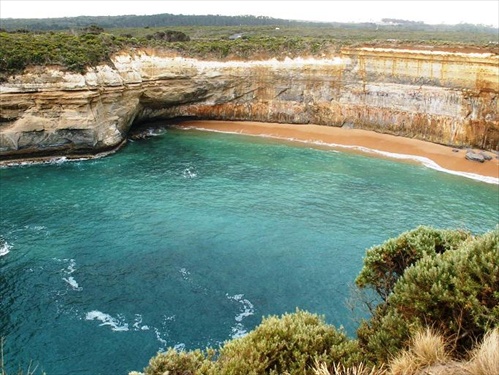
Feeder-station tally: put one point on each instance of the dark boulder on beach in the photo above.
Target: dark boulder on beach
(474, 156)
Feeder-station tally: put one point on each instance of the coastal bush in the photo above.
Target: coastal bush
(385, 263)
(169, 36)
(290, 344)
(71, 51)
(174, 362)
(456, 292)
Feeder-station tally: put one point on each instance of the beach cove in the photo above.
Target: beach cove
(436, 156)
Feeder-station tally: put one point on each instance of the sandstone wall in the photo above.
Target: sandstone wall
(443, 97)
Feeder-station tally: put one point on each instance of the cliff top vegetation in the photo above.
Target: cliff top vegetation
(76, 43)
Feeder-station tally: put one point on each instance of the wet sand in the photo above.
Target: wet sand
(383, 145)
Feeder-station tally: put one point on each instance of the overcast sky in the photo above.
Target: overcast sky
(449, 12)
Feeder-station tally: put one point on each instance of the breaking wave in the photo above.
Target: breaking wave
(117, 324)
(4, 247)
(246, 309)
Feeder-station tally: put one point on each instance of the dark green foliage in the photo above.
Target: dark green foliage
(144, 21)
(93, 29)
(385, 263)
(455, 292)
(74, 52)
(169, 36)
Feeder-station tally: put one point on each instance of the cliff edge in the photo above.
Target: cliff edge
(442, 96)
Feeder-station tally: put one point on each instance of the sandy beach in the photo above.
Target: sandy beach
(439, 157)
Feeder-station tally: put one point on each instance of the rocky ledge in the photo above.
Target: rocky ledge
(447, 97)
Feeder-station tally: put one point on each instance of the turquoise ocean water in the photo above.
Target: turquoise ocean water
(188, 238)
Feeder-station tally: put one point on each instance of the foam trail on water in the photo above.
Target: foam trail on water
(107, 320)
(163, 342)
(54, 160)
(189, 173)
(185, 273)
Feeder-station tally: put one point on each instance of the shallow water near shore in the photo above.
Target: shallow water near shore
(188, 238)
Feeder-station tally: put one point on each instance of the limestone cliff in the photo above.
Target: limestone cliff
(447, 97)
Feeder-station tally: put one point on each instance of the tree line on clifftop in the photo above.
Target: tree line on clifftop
(81, 42)
(171, 20)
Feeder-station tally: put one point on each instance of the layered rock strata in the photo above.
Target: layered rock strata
(439, 96)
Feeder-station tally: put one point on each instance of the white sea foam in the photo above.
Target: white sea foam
(119, 323)
(246, 309)
(423, 160)
(179, 347)
(72, 282)
(185, 274)
(238, 331)
(54, 160)
(189, 173)
(68, 271)
(4, 247)
(154, 132)
(116, 324)
(163, 342)
(137, 324)
(71, 267)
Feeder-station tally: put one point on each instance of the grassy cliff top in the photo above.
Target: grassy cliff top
(77, 49)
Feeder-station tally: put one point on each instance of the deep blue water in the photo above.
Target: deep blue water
(187, 239)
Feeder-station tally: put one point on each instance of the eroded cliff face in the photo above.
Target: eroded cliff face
(442, 97)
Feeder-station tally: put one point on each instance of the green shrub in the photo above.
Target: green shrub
(289, 344)
(175, 362)
(385, 263)
(455, 292)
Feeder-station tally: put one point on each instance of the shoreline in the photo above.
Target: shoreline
(442, 158)
(432, 155)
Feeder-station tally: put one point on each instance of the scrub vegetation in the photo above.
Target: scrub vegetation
(436, 309)
(77, 43)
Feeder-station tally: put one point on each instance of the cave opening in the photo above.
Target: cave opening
(146, 128)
